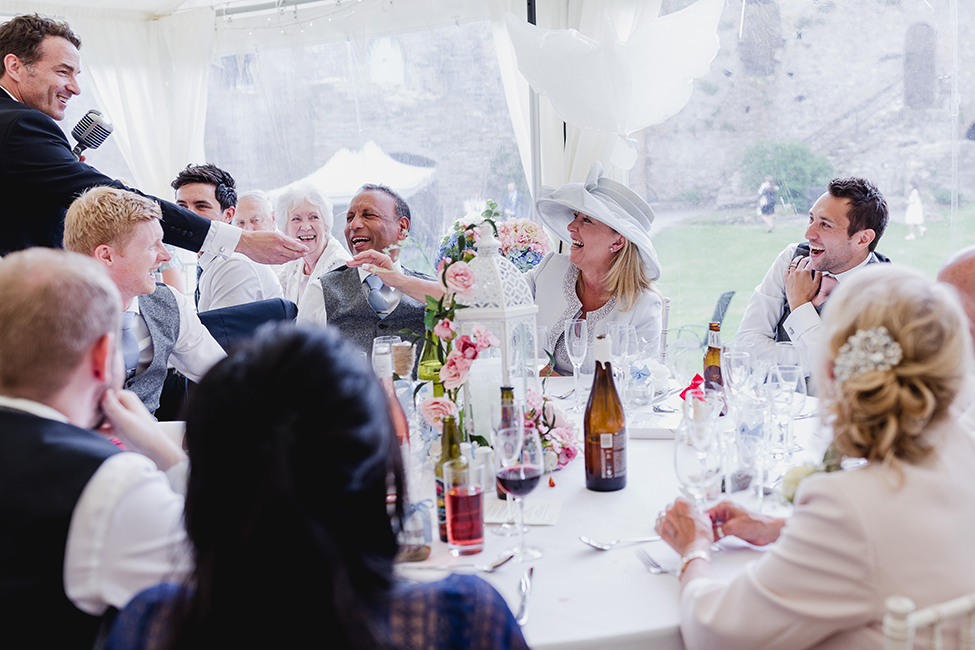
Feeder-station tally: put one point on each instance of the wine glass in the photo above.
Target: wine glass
(779, 395)
(503, 416)
(618, 345)
(523, 461)
(576, 346)
(787, 353)
(543, 348)
(697, 459)
(735, 369)
(792, 375)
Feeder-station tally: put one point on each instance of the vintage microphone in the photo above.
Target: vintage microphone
(91, 131)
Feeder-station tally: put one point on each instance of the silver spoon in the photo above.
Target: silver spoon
(486, 568)
(605, 546)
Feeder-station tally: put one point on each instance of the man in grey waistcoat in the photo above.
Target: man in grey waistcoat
(159, 325)
(373, 295)
(845, 225)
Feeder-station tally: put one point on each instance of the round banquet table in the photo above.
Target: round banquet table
(584, 598)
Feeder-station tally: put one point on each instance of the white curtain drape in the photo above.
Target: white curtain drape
(151, 77)
(566, 155)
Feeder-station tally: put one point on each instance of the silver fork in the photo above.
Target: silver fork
(649, 562)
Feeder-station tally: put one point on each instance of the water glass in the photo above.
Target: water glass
(464, 484)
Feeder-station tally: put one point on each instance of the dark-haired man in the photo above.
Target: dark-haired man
(39, 177)
(373, 295)
(845, 225)
(226, 281)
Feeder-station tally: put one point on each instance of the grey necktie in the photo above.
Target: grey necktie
(376, 299)
(130, 344)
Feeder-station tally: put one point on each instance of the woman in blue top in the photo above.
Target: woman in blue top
(293, 454)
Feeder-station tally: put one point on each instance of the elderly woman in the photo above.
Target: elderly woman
(607, 274)
(304, 213)
(897, 350)
(293, 541)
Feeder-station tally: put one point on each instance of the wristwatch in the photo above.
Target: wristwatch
(696, 555)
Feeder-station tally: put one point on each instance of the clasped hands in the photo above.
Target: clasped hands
(801, 282)
(688, 530)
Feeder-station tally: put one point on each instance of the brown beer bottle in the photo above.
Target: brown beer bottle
(712, 359)
(449, 450)
(605, 427)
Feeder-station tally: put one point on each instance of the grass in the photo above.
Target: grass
(706, 256)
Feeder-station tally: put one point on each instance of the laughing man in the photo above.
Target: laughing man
(845, 225)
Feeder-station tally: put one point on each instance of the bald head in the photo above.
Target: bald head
(959, 272)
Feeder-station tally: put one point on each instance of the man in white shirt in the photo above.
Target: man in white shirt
(84, 526)
(227, 281)
(39, 176)
(845, 225)
(373, 295)
(122, 231)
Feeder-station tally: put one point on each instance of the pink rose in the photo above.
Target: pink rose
(555, 415)
(567, 454)
(453, 374)
(534, 400)
(445, 329)
(466, 347)
(485, 338)
(435, 409)
(459, 280)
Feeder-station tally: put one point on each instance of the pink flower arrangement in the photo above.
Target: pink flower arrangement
(523, 242)
(435, 409)
(485, 338)
(454, 372)
(556, 431)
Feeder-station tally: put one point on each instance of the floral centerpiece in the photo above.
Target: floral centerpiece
(558, 434)
(523, 242)
(453, 354)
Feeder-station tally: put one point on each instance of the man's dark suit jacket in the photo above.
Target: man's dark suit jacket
(39, 178)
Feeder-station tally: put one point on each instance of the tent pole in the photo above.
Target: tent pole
(534, 125)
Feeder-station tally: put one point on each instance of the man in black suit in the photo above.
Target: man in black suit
(84, 526)
(39, 176)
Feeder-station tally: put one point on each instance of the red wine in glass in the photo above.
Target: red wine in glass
(519, 480)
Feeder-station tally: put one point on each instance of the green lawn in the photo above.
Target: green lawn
(706, 256)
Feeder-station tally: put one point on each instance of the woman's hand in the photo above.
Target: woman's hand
(729, 519)
(684, 528)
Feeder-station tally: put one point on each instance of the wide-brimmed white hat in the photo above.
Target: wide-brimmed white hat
(606, 201)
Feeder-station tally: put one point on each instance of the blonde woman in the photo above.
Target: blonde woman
(304, 213)
(897, 349)
(608, 273)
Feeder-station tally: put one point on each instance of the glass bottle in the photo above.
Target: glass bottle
(382, 365)
(712, 358)
(604, 425)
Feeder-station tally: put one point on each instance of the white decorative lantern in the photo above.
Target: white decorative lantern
(503, 304)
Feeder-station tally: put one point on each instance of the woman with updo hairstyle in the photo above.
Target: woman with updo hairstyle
(292, 456)
(895, 356)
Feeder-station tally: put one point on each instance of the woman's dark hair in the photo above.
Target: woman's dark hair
(292, 452)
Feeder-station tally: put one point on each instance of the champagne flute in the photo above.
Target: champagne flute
(697, 462)
(523, 461)
(617, 349)
(792, 375)
(576, 346)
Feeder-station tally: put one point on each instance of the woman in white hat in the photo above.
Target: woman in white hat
(607, 275)
(304, 213)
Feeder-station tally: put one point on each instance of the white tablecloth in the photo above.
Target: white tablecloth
(583, 598)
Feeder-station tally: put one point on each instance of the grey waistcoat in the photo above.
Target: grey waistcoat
(161, 313)
(347, 309)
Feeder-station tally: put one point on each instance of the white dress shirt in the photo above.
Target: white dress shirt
(126, 531)
(195, 352)
(314, 299)
(295, 284)
(757, 330)
(234, 280)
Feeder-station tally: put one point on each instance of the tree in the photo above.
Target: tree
(793, 166)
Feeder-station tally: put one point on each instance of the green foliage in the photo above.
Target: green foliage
(943, 196)
(792, 164)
